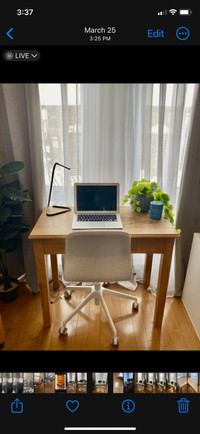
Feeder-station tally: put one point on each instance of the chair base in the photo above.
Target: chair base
(97, 291)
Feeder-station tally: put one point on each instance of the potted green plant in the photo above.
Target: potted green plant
(143, 192)
(12, 225)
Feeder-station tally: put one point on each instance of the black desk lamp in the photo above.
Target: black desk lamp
(64, 208)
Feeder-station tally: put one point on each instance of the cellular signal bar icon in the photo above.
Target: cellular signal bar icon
(164, 12)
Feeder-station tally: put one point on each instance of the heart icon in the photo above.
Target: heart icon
(72, 405)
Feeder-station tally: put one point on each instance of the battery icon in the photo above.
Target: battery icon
(185, 12)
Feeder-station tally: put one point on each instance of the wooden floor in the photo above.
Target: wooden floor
(89, 330)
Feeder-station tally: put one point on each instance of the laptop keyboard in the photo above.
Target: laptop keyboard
(97, 218)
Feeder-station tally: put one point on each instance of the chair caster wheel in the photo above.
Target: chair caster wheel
(63, 331)
(115, 342)
(135, 305)
(67, 293)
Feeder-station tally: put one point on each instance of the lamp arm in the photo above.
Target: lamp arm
(50, 190)
(52, 176)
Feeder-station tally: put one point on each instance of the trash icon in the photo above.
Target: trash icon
(183, 405)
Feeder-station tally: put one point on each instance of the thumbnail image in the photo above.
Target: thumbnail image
(128, 382)
(28, 382)
(161, 382)
(81, 382)
(150, 386)
(192, 382)
(118, 382)
(49, 382)
(139, 382)
(182, 382)
(99, 382)
(38, 382)
(60, 382)
(7, 382)
(171, 378)
(18, 382)
(71, 382)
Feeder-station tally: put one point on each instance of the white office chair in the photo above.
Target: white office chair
(98, 256)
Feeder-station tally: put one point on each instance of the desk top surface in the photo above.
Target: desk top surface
(137, 225)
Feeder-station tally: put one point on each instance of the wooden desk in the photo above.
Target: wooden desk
(147, 236)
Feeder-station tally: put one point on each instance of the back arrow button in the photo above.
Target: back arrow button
(8, 33)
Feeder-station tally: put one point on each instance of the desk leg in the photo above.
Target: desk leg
(43, 281)
(54, 267)
(147, 269)
(163, 278)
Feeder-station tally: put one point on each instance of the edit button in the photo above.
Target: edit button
(158, 33)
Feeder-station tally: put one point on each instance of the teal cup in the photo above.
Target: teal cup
(156, 209)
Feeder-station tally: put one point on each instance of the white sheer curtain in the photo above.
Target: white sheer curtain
(115, 126)
(117, 133)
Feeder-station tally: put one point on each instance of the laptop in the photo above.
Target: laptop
(96, 206)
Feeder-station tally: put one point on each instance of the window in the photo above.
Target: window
(55, 119)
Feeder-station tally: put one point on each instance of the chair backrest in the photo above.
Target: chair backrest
(98, 256)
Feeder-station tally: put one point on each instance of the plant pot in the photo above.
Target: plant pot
(144, 202)
(10, 294)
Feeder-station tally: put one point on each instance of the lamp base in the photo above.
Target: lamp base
(64, 209)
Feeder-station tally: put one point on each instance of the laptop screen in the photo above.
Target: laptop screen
(96, 197)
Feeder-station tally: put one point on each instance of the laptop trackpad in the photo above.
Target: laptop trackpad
(96, 225)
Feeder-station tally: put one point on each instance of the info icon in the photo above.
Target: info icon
(128, 406)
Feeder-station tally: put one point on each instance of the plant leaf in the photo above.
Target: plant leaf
(10, 191)
(12, 167)
(165, 197)
(4, 214)
(135, 190)
(154, 186)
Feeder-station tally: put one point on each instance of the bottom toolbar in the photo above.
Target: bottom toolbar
(54, 402)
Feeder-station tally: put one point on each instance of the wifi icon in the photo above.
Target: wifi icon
(173, 11)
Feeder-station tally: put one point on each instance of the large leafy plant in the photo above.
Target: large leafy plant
(145, 188)
(12, 224)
